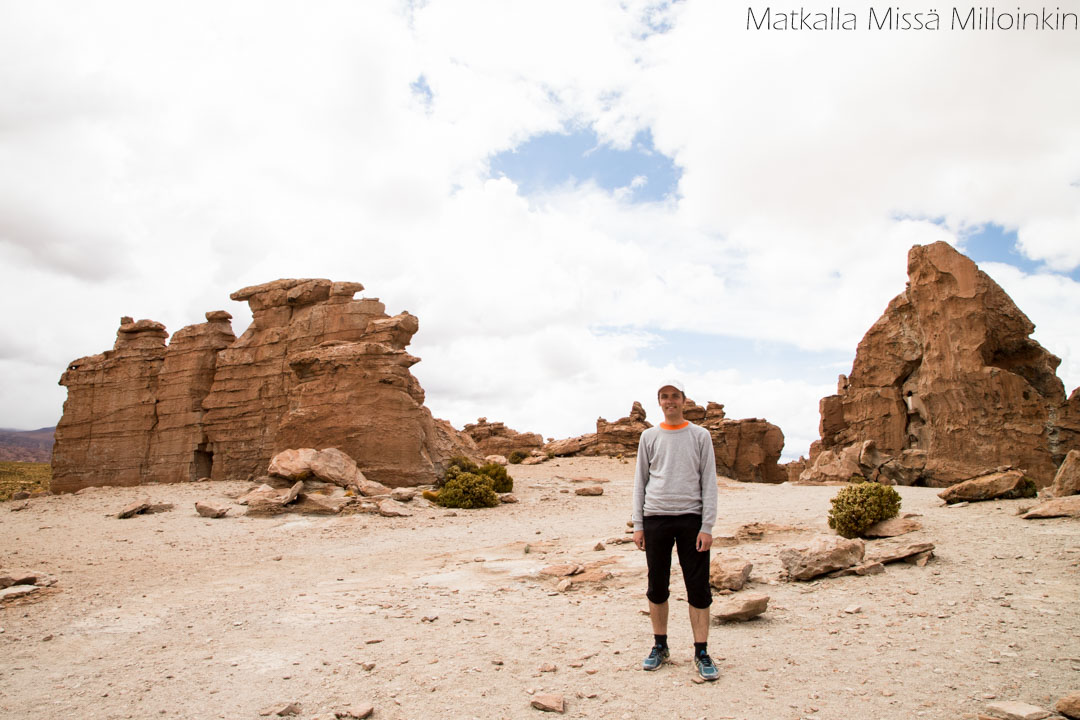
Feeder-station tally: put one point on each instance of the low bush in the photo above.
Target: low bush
(516, 457)
(857, 507)
(500, 479)
(468, 490)
(457, 465)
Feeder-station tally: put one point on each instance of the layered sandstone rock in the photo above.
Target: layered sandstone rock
(620, 437)
(110, 413)
(494, 438)
(945, 385)
(315, 369)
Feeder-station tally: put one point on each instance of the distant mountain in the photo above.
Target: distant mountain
(26, 445)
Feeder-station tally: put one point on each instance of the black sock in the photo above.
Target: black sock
(699, 648)
(661, 640)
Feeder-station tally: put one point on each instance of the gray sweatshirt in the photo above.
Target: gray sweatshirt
(675, 475)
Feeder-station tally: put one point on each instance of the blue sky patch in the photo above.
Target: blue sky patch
(551, 160)
(991, 242)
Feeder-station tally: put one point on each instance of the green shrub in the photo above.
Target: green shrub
(517, 456)
(857, 507)
(857, 479)
(457, 465)
(500, 479)
(468, 490)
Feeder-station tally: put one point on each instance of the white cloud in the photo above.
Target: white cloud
(152, 161)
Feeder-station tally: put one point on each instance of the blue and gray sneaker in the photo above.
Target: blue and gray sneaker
(706, 667)
(657, 656)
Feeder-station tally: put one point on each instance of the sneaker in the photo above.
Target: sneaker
(656, 658)
(706, 667)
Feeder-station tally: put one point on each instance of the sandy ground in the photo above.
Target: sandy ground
(172, 615)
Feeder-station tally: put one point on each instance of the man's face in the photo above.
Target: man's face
(671, 401)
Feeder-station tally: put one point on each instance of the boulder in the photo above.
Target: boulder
(336, 467)
(998, 485)
(292, 464)
(1056, 507)
(947, 384)
(1069, 705)
(211, 511)
(747, 450)
(1067, 480)
(497, 459)
(739, 608)
(822, 555)
(729, 573)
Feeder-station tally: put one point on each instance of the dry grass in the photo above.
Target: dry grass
(23, 476)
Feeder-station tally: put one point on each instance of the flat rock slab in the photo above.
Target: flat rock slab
(1006, 485)
(134, 508)
(392, 508)
(1058, 507)
(882, 553)
(892, 527)
(549, 703)
(1011, 710)
(740, 608)
(17, 591)
(356, 712)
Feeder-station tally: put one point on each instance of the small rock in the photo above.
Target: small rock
(1069, 706)
(739, 608)
(134, 508)
(369, 666)
(403, 494)
(853, 609)
(497, 459)
(1012, 710)
(599, 547)
(356, 712)
(281, 710)
(821, 555)
(548, 668)
(211, 511)
(564, 585)
(892, 527)
(591, 490)
(294, 492)
(508, 498)
(392, 508)
(549, 703)
(17, 591)
(729, 573)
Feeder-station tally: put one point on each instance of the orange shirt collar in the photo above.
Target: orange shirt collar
(665, 426)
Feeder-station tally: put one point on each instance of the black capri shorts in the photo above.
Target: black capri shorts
(663, 531)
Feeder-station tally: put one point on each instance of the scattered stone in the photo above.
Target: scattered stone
(1005, 485)
(548, 668)
(134, 508)
(591, 490)
(1069, 706)
(882, 553)
(1012, 710)
(1067, 480)
(368, 665)
(564, 585)
(392, 508)
(563, 570)
(17, 591)
(729, 573)
(892, 528)
(403, 494)
(1057, 507)
(210, 511)
(853, 609)
(19, 506)
(739, 608)
(822, 555)
(549, 703)
(356, 712)
(370, 488)
(599, 547)
(281, 710)
(508, 498)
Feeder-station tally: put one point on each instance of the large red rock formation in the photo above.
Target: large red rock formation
(315, 368)
(946, 384)
(494, 438)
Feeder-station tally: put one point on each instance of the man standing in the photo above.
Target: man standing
(675, 504)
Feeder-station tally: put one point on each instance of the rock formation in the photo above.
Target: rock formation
(316, 368)
(746, 450)
(946, 385)
(497, 439)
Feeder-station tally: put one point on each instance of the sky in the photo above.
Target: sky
(577, 199)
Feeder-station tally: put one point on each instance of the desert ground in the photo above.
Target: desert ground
(446, 614)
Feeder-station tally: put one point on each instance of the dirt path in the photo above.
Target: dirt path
(445, 614)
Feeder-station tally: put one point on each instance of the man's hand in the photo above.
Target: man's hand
(639, 539)
(704, 541)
